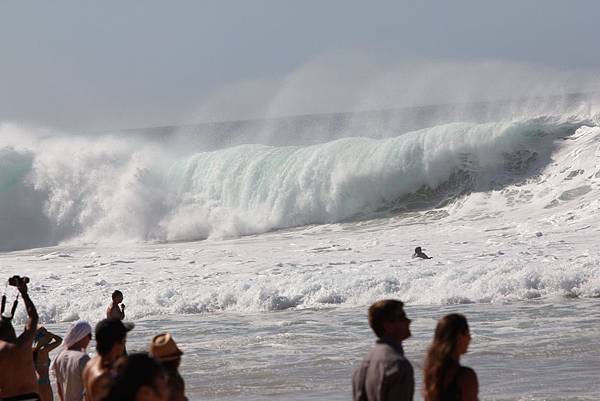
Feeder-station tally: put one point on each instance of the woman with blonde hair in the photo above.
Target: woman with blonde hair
(444, 378)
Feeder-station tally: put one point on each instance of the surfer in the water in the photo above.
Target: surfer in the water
(420, 254)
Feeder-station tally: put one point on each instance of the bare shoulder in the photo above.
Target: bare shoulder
(467, 375)
(469, 387)
(89, 367)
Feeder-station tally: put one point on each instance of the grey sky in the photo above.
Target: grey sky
(83, 65)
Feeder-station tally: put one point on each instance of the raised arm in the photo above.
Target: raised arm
(31, 327)
(55, 341)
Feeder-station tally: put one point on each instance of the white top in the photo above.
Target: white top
(68, 369)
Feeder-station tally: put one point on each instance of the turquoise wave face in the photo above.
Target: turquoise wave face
(331, 182)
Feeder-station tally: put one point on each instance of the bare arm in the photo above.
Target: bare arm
(31, 326)
(54, 342)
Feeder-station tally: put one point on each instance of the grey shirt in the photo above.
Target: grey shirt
(384, 375)
(68, 369)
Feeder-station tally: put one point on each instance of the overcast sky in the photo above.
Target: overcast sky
(96, 65)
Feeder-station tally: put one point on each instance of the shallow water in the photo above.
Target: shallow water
(536, 350)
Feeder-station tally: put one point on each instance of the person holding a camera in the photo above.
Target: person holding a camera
(18, 380)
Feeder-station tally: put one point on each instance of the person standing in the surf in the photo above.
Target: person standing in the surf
(114, 310)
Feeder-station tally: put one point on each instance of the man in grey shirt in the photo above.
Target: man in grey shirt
(385, 374)
(71, 360)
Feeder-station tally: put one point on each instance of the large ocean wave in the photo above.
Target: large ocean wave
(114, 188)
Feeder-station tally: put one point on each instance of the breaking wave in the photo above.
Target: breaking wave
(115, 188)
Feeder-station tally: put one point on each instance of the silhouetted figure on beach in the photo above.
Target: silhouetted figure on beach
(43, 343)
(138, 377)
(111, 336)
(385, 374)
(114, 310)
(420, 254)
(18, 379)
(444, 378)
(71, 360)
(164, 349)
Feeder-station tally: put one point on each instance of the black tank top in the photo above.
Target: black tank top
(452, 391)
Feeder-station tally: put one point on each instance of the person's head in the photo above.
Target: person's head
(418, 249)
(451, 339)
(117, 297)
(165, 350)
(7, 331)
(79, 335)
(111, 335)
(388, 319)
(139, 377)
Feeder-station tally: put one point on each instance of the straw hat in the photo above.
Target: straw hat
(164, 349)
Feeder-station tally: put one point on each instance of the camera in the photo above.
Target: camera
(15, 279)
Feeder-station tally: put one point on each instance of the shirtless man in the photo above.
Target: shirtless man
(111, 335)
(114, 311)
(18, 380)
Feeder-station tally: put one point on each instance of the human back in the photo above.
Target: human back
(21, 377)
(71, 361)
(68, 370)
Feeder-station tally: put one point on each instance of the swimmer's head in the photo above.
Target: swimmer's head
(418, 249)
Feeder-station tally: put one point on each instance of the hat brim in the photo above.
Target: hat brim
(168, 358)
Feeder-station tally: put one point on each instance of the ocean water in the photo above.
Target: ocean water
(262, 258)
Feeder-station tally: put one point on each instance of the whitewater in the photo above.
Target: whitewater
(261, 256)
